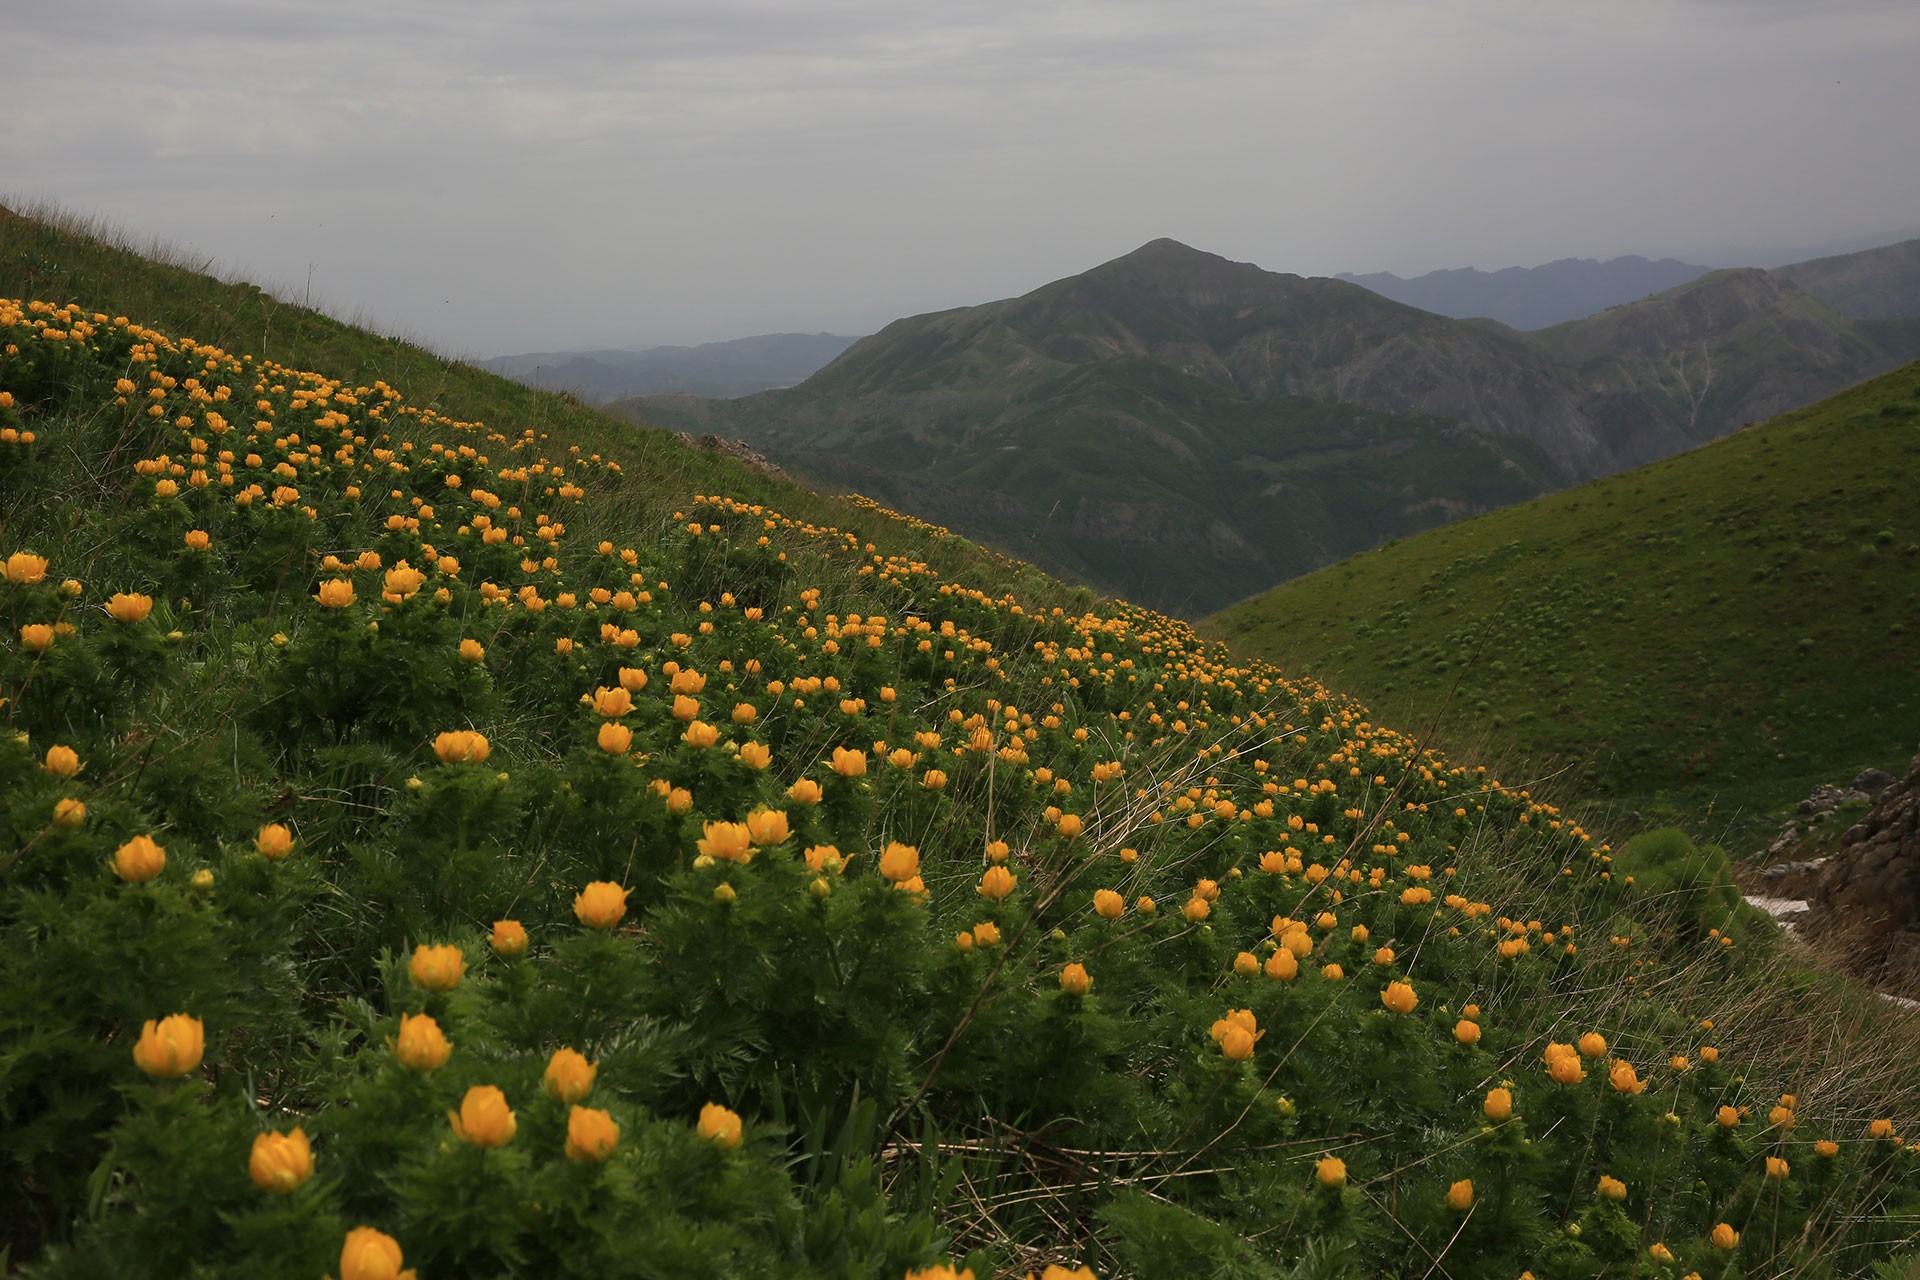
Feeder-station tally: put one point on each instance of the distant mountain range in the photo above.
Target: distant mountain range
(1187, 430)
(717, 369)
(1532, 297)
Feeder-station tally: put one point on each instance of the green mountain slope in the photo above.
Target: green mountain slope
(962, 415)
(436, 843)
(1720, 628)
(1875, 284)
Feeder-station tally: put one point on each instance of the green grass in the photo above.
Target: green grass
(1708, 635)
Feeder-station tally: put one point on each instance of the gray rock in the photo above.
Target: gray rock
(1872, 781)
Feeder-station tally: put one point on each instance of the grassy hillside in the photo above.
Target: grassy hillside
(424, 845)
(1720, 629)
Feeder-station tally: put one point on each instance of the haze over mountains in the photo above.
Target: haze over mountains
(1532, 297)
(720, 369)
(1187, 430)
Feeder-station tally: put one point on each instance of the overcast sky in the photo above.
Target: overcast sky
(495, 177)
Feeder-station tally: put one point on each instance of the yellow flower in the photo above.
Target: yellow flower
(1332, 972)
(1624, 1078)
(1563, 1063)
(472, 651)
(69, 813)
(36, 637)
(62, 762)
(170, 1047)
(1777, 1169)
(461, 746)
(484, 1118)
(986, 934)
(421, 1045)
(1282, 966)
(700, 734)
(1070, 825)
(25, 568)
(335, 593)
(685, 708)
(591, 1135)
(1246, 964)
(600, 905)
(997, 883)
(805, 791)
(1881, 1129)
(1331, 1172)
(940, 1271)
(755, 755)
(280, 1161)
(1399, 997)
(824, 857)
(1460, 1195)
(509, 939)
(139, 860)
(371, 1255)
(719, 1125)
(744, 713)
(612, 702)
(1108, 904)
(1498, 1106)
(614, 738)
(1660, 1253)
(273, 841)
(767, 826)
(437, 968)
(1727, 1117)
(1826, 1149)
(569, 1075)
(1612, 1188)
(728, 841)
(632, 679)
(1593, 1045)
(1075, 980)
(899, 862)
(1196, 910)
(128, 606)
(402, 581)
(1466, 1032)
(1724, 1236)
(849, 763)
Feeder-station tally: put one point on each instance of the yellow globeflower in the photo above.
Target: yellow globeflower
(727, 841)
(1724, 1236)
(1593, 1045)
(139, 860)
(461, 746)
(600, 905)
(1624, 1078)
(437, 968)
(1498, 1106)
(1108, 905)
(614, 738)
(484, 1118)
(36, 637)
(685, 708)
(612, 702)
(899, 862)
(719, 1125)
(1460, 1195)
(128, 606)
(591, 1135)
(1075, 980)
(997, 882)
(335, 593)
(701, 735)
(1399, 997)
(756, 755)
(569, 1076)
(421, 1045)
(1612, 1188)
(69, 813)
(1070, 825)
(61, 761)
(849, 763)
(1331, 1172)
(371, 1255)
(806, 791)
(280, 1161)
(1466, 1032)
(273, 841)
(172, 1046)
(767, 826)
(25, 568)
(509, 939)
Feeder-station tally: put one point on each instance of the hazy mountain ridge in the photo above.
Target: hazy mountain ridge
(1049, 402)
(721, 370)
(1532, 297)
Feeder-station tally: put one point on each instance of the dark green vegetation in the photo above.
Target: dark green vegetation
(1719, 630)
(1187, 430)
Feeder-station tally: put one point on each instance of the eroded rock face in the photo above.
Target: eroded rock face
(1868, 893)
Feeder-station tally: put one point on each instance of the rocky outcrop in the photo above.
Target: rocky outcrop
(1867, 897)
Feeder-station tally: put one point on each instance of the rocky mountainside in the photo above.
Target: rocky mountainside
(1875, 284)
(1007, 419)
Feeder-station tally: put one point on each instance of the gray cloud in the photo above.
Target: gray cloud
(498, 176)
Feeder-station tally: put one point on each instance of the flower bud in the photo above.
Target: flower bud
(280, 1161)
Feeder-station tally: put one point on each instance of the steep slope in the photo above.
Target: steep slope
(959, 414)
(421, 849)
(1715, 630)
(1532, 297)
(1875, 284)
